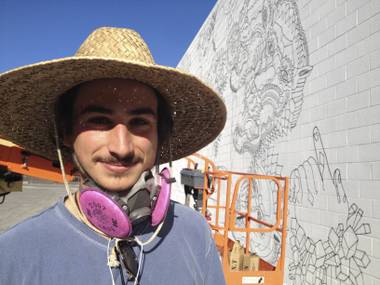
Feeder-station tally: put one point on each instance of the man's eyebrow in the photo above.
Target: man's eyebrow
(143, 111)
(95, 109)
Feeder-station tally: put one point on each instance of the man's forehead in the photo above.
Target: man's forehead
(120, 93)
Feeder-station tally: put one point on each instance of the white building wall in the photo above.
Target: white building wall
(301, 81)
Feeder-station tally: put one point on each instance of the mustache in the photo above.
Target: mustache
(126, 160)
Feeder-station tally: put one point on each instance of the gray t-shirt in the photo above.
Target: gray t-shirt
(53, 247)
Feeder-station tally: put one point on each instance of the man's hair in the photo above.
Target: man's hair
(65, 117)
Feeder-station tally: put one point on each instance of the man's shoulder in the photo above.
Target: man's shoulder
(184, 216)
(23, 241)
(29, 227)
(185, 212)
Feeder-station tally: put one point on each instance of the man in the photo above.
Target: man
(115, 114)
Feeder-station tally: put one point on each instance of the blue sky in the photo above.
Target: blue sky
(36, 30)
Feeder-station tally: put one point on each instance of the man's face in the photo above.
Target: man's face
(115, 131)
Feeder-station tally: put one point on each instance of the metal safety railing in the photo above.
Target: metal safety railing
(221, 199)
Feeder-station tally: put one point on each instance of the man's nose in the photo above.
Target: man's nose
(120, 142)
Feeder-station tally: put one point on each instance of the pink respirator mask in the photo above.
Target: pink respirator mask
(115, 215)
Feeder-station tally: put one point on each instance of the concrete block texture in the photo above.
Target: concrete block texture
(346, 24)
(358, 101)
(359, 136)
(336, 45)
(369, 10)
(375, 134)
(301, 80)
(358, 66)
(376, 208)
(374, 59)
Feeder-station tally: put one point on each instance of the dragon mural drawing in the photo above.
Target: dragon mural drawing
(254, 53)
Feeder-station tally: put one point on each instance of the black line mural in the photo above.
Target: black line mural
(273, 80)
(338, 255)
(254, 53)
(259, 65)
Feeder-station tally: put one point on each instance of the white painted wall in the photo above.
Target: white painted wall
(301, 81)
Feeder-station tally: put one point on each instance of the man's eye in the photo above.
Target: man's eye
(139, 122)
(99, 121)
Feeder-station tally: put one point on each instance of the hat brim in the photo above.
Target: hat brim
(28, 95)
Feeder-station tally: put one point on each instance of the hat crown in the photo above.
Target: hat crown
(116, 43)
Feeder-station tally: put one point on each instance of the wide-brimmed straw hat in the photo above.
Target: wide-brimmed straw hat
(28, 94)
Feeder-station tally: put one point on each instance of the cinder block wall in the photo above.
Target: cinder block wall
(301, 81)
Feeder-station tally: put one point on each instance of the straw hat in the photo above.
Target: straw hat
(28, 93)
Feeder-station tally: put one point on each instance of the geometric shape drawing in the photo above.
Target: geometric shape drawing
(339, 258)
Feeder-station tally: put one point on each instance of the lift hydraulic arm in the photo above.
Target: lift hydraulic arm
(15, 159)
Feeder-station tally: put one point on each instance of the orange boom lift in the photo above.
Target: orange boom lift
(220, 197)
(15, 161)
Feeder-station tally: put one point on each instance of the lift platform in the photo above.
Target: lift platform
(228, 219)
